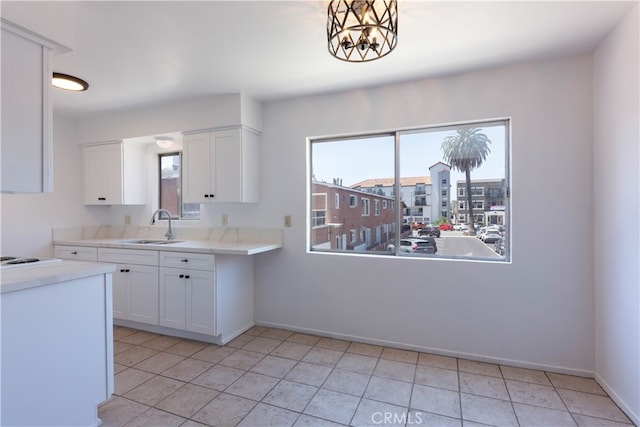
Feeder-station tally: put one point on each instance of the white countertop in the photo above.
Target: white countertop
(196, 246)
(210, 240)
(17, 279)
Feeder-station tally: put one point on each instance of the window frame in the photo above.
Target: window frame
(180, 213)
(396, 204)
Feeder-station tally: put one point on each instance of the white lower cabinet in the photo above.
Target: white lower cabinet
(187, 300)
(135, 286)
(135, 293)
(188, 292)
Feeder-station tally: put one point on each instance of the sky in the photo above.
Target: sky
(359, 159)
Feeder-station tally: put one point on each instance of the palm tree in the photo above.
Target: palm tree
(464, 151)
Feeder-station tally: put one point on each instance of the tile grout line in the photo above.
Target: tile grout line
(299, 360)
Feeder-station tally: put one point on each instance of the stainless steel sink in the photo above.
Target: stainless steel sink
(149, 242)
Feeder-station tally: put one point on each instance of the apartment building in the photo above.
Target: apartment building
(424, 198)
(488, 201)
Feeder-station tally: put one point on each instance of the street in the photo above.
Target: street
(454, 243)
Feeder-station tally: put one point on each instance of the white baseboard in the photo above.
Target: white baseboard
(438, 351)
(634, 417)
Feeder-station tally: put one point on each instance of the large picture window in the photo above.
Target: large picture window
(452, 184)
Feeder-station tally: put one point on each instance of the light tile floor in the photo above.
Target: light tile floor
(273, 377)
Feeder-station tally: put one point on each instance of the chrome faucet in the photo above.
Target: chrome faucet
(169, 233)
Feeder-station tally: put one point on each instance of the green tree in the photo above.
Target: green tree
(465, 151)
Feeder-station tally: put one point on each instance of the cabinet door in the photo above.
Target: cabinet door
(196, 181)
(103, 174)
(119, 284)
(201, 295)
(95, 188)
(173, 298)
(227, 171)
(142, 303)
(113, 175)
(26, 148)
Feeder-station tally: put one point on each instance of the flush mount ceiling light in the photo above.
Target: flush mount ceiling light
(362, 30)
(164, 141)
(67, 82)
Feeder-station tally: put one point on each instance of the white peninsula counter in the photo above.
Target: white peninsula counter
(198, 285)
(57, 343)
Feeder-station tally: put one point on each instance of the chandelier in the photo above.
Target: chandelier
(362, 30)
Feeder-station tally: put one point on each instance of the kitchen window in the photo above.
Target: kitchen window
(450, 161)
(170, 187)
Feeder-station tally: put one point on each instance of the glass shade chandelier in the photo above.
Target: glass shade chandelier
(362, 30)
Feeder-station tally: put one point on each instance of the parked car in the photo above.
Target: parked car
(491, 236)
(429, 230)
(460, 227)
(480, 232)
(446, 227)
(432, 241)
(414, 245)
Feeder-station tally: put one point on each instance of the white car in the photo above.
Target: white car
(491, 236)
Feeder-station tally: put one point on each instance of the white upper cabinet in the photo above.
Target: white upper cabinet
(26, 112)
(221, 166)
(114, 174)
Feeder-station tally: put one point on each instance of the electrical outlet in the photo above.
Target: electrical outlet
(225, 219)
(287, 220)
(127, 220)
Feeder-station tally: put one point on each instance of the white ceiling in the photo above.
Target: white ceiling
(139, 53)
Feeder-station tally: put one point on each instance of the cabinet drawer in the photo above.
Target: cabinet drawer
(80, 253)
(128, 256)
(188, 260)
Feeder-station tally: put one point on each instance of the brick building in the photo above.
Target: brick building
(344, 218)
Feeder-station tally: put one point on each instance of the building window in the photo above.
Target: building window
(365, 207)
(424, 160)
(337, 201)
(477, 191)
(318, 218)
(169, 187)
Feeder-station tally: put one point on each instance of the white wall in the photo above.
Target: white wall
(537, 311)
(616, 196)
(27, 219)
